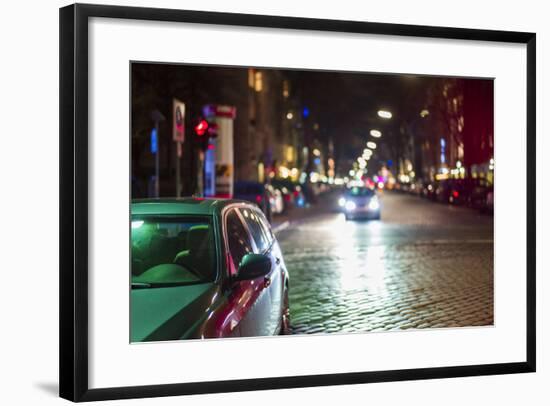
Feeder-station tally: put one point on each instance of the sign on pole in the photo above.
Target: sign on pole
(178, 132)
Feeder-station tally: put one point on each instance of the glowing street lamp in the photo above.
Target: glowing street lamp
(371, 145)
(384, 114)
(375, 133)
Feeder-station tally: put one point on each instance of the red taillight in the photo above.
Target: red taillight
(455, 194)
(258, 198)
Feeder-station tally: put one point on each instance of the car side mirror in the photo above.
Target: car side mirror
(253, 266)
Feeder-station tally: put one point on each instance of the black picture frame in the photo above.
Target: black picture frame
(73, 252)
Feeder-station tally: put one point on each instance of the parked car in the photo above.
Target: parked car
(360, 202)
(205, 268)
(443, 190)
(481, 196)
(428, 190)
(292, 192)
(256, 193)
(276, 200)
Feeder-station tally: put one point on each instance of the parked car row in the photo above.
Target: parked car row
(274, 198)
(476, 193)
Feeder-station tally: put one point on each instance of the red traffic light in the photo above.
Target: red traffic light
(201, 128)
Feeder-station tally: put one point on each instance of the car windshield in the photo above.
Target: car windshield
(172, 251)
(360, 192)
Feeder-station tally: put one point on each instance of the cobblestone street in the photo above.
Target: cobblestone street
(423, 265)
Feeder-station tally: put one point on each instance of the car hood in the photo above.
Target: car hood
(360, 200)
(159, 314)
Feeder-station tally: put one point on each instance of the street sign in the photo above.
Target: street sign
(178, 124)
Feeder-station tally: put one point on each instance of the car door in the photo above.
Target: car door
(249, 298)
(273, 282)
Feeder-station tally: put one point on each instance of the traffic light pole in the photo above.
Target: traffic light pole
(157, 164)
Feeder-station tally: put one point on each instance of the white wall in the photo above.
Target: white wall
(29, 188)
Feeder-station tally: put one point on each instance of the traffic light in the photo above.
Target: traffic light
(201, 127)
(204, 131)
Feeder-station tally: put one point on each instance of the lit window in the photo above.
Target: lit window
(258, 84)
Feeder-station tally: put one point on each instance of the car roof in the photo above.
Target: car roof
(183, 205)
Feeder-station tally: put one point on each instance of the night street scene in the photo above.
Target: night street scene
(278, 201)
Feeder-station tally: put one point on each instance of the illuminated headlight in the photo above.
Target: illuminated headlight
(373, 204)
(350, 206)
(341, 202)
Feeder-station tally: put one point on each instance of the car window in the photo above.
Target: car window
(238, 238)
(261, 238)
(172, 251)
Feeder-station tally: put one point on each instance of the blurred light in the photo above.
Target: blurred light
(258, 83)
(458, 164)
(201, 127)
(350, 206)
(384, 114)
(289, 115)
(424, 113)
(316, 152)
(154, 141)
(137, 224)
(305, 112)
(339, 181)
(371, 145)
(313, 177)
(374, 204)
(375, 133)
(284, 172)
(317, 161)
(351, 172)
(380, 185)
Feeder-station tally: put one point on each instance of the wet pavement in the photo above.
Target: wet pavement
(423, 265)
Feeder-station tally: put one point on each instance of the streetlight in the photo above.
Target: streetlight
(424, 113)
(375, 133)
(289, 115)
(384, 114)
(371, 145)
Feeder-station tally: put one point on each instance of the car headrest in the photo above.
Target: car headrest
(197, 238)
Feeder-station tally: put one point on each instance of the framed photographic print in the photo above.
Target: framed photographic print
(256, 202)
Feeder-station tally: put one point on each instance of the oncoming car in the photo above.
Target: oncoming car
(205, 268)
(360, 202)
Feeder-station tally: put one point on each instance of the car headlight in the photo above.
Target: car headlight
(373, 204)
(350, 206)
(341, 202)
